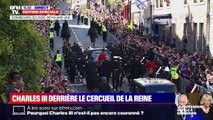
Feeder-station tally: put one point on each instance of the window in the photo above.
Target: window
(157, 2)
(161, 3)
(195, 1)
(167, 2)
(185, 1)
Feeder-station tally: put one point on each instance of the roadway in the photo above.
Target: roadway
(79, 35)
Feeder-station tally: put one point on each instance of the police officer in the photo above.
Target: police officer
(175, 75)
(58, 59)
(51, 35)
(99, 27)
(104, 32)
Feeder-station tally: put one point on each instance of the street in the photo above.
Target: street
(79, 35)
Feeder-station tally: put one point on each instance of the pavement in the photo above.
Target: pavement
(79, 35)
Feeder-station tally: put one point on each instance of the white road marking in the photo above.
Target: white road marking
(111, 86)
(77, 40)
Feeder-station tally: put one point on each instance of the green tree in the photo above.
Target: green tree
(22, 49)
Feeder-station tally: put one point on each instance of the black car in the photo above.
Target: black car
(95, 52)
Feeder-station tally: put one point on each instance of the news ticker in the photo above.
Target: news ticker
(92, 98)
(82, 110)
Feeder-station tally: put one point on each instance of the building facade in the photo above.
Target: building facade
(184, 21)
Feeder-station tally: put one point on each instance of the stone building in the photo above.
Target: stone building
(186, 21)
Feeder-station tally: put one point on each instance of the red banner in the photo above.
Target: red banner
(40, 12)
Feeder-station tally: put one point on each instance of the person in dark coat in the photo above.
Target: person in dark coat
(166, 74)
(93, 23)
(105, 69)
(104, 86)
(71, 68)
(99, 27)
(116, 70)
(135, 68)
(93, 34)
(65, 32)
(65, 25)
(57, 27)
(67, 35)
(78, 18)
(91, 74)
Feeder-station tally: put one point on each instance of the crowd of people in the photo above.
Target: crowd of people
(42, 27)
(190, 69)
(54, 80)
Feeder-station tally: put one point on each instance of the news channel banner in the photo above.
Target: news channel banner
(108, 106)
(37, 12)
(93, 106)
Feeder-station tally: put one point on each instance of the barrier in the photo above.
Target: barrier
(112, 39)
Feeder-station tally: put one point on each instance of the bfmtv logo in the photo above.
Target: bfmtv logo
(15, 10)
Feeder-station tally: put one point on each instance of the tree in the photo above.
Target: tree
(22, 49)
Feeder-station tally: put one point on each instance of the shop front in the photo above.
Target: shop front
(162, 26)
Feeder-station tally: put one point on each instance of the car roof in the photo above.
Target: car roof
(97, 48)
(153, 81)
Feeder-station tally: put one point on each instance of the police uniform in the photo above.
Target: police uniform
(99, 27)
(58, 59)
(175, 76)
(51, 37)
(104, 32)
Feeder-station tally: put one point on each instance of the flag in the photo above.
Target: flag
(141, 3)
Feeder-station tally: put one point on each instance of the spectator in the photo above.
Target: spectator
(19, 86)
(104, 86)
